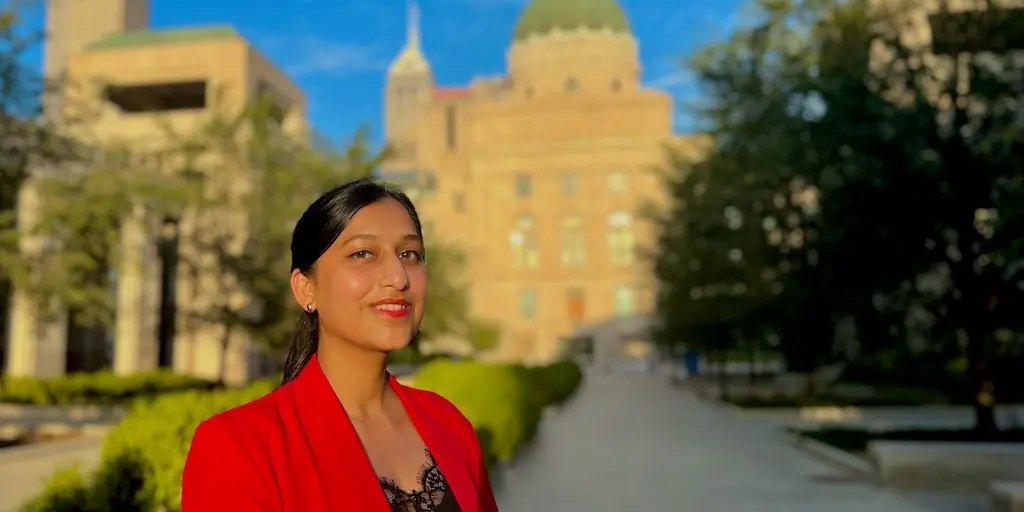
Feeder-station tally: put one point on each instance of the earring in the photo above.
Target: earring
(310, 308)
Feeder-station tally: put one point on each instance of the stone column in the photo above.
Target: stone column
(38, 343)
(138, 299)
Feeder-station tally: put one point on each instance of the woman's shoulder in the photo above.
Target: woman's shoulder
(229, 452)
(250, 422)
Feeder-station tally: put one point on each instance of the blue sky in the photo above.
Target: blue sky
(337, 50)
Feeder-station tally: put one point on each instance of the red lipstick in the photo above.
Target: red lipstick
(393, 308)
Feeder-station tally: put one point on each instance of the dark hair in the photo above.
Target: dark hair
(315, 232)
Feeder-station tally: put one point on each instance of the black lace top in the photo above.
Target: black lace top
(432, 496)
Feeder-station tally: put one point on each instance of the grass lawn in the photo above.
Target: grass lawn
(855, 440)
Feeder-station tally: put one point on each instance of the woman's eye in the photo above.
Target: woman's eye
(411, 255)
(362, 254)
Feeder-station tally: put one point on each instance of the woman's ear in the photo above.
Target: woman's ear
(303, 289)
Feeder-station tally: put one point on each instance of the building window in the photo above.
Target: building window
(575, 302)
(429, 182)
(449, 126)
(524, 243)
(574, 242)
(164, 97)
(570, 184)
(621, 241)
(523, 186)
(616, 85)
(527, 304)
(624, 301)
(459, 202)
(616, 182)
(571, 85)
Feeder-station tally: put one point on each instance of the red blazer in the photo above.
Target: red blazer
(295, 450)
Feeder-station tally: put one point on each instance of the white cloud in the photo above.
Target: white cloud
(490, 4)
(674, 80)
(311, 55)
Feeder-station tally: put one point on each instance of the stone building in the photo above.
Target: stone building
(541, 175)
(124, 83)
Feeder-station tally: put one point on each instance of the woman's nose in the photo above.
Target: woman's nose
(395, 273)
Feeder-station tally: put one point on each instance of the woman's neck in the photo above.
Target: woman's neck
(358, 377)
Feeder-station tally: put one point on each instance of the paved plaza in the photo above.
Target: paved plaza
(634, 443)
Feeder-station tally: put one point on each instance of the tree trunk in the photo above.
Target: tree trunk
(723, 376)
(973, 313)
(752, 372)
(225, 343)
(980, 379)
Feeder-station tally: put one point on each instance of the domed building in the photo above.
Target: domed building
(538, 175)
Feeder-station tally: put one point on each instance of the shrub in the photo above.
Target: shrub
(143, 456)
(65, 491)
(159, 434)
(557, 382)
(497, 398)
(484, 437)
(100, 388)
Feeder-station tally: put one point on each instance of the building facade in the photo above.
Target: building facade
(540, 176)
(126, 84)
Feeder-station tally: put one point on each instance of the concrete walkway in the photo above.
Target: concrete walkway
(23, 469)
(634, 443)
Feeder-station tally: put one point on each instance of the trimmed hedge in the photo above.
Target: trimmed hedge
(144, 455)
(505, 401)
(100, 388)
(498, 398)
(557, 382)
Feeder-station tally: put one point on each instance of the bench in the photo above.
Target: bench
(948, 466)
(1007, 496)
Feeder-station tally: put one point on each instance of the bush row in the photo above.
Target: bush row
(504, 402)
(100, 388)
(143, 456)
(557, 382)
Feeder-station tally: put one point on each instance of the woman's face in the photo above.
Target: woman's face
(369, 287)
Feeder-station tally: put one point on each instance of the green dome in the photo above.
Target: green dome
(543, 16)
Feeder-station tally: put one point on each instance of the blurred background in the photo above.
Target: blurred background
(769, 259)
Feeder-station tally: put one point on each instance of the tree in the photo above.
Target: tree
(735, 255)
(33, 145)
(230, 191)
(908, 151)
(447, 311)
(447, 300)
(254, 264)
(237, 227)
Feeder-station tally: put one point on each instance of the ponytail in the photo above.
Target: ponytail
(304, 345)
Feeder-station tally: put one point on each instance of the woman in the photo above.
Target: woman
(341, 434)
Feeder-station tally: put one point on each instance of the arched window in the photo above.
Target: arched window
(523, 239)
(574, 242)
(621, 240)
